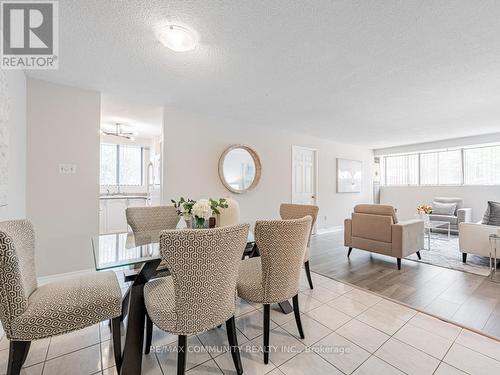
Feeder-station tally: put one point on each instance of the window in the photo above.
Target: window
(400, 170)
(465, 166)
(441, 168)
(482, 166)
(121, 165)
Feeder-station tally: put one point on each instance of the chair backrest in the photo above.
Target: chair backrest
(458, 201)
(230, 215)
(150, 219)
(282, 245)
(204, 265)
(290, 211)
(17, 269)
(373, 222)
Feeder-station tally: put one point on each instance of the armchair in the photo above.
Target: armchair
(473, 238)
(375, 228)
(461, 214)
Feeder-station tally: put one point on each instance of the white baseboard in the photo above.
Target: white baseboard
(61, 276)
(338, 228)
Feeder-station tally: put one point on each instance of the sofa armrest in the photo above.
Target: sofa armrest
(347, 232)
(474, 238)
(464, 215)
(407, 237)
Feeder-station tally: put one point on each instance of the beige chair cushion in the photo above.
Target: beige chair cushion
(159, 297)
(68, 305)
(372, 227)
(377, 209)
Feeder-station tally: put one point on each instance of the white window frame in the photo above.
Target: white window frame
(383, 160)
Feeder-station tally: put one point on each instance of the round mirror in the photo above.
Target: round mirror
(239, 169)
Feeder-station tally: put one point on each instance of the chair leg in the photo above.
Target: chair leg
(464, 257)
(149, 334)
(308, 273)
(125, 302)
(296, 311)
(233, 343)
(418, 255)
(399, 263)
(181, 355)
(349, 252)
(18, 351)
(117, 341)
(267, 321)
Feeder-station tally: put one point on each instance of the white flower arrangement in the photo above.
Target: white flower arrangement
(202, 209)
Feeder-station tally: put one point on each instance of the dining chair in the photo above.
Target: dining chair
(274, 276)
(151, 218)
(230, 215)
(29, 312)
(200, 294)
(297, 211)
(144, 222)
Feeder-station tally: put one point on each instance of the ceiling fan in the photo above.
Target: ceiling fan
(119, 132)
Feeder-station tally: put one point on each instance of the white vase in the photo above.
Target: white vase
(425, 217)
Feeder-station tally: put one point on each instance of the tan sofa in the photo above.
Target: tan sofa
(375, 227)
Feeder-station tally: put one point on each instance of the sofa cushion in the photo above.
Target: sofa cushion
(447, 218)
(492, 214)
(377, 209)
(372, 227)
(458, 201)
(439, 208)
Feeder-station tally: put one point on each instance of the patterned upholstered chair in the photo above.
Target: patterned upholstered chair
(154, 218)
(274, 276)
(29, 312)
(297, 211)
(147, 220)
(201, 293)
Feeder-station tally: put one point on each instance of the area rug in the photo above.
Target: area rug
(445, 253)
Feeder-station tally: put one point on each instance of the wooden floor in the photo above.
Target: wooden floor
(465, 298)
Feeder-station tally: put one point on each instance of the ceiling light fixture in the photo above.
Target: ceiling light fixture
(177, 38)
(120, 133)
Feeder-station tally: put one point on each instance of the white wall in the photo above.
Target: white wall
(407, 198)
(193, 145)
(16, 91)
(63, 127)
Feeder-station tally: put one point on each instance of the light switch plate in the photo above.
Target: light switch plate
(67, 168)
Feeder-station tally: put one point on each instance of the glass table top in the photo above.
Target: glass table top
(125, 249)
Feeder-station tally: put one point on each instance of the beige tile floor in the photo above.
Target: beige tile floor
(348, 331)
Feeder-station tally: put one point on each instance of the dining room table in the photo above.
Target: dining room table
(139, 253)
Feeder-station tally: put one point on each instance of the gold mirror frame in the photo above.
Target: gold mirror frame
(256, 160)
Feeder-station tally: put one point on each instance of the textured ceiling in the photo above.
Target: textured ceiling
(372, 72)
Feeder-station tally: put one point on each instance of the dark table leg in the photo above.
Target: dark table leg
(134, 339)
(286, 307)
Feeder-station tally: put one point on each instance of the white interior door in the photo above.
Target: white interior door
(304, 178)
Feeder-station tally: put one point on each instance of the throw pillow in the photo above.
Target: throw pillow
(443, 208)
(494, 213)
